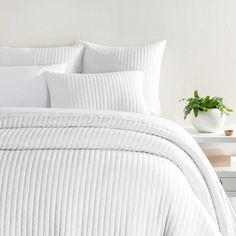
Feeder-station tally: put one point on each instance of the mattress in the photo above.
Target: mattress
(78, 172)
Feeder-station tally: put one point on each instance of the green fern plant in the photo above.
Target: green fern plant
(197, 103)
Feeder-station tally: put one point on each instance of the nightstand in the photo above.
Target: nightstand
(227, 175)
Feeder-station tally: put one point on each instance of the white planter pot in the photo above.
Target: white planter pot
(210, 121)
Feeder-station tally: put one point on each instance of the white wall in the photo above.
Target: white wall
(201, 35)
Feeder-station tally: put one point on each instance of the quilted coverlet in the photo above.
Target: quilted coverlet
(73, 172)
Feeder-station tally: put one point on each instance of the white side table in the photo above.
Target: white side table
(211, 137)
(227, 175)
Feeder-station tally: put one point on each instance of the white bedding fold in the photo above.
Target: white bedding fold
(172, 156)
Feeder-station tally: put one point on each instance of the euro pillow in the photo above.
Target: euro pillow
(72, 55)
(25, 86)
(120, 91)
(147, 58)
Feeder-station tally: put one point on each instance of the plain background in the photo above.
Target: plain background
(200, 34)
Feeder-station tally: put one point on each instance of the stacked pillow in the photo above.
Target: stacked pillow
(70, 55)
(147, 58)
(22, 77)
(25, 86)
(112, 78)
(122, 91)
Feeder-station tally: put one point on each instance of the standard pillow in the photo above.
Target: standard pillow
(25, 86)
(72, 55)
(120, 91)
(147, 58)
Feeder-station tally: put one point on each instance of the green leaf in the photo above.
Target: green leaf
(196, 94)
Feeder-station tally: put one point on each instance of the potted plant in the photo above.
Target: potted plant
(206, 114)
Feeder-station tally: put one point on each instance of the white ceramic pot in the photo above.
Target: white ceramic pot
(210, 121)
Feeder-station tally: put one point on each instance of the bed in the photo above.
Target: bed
(84, 151)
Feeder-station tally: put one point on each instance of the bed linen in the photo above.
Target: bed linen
(117, 91)
(71, 55)
(78, 172)
(145, 57)
(25, 86)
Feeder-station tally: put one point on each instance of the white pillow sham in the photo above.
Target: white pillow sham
(121, 91)
(25, 86)
(72, 55)
(147, 58)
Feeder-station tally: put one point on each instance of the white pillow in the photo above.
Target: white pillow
(72, 55)
(120, 91)
(147, 58)
(25, 86)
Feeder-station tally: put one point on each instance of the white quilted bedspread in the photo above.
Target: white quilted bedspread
(72, 172)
